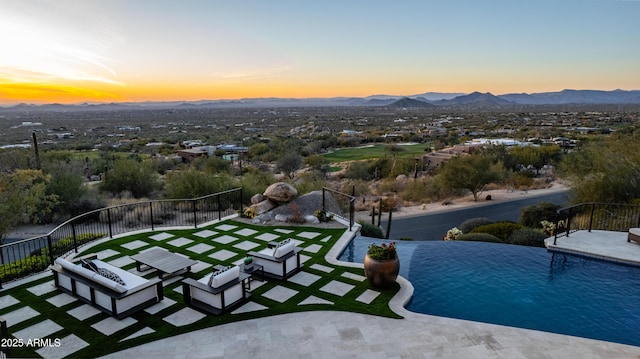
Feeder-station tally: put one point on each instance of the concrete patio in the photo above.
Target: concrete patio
(604, 245)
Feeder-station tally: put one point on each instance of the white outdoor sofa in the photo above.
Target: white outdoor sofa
(279, 260)
(215, 293)
(105, 294)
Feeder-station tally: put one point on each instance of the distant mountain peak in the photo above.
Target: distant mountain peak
(409, 103)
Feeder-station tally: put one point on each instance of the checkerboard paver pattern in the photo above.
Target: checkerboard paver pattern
(225, 239)
(7, 301)
(225, 227)
(179, 242)
(223, 255)
(161, 236)
(205, 234)
(38, 330)
(200, 248)
(225, 242)
(111, 325)
(315, 300)
(72, 344)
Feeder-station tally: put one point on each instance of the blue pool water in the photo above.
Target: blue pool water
(519, 286)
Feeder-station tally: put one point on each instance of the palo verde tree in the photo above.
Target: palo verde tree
(23, 195)
(471, 172)
(139, 178)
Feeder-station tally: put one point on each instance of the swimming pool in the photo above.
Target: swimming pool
(519, 286)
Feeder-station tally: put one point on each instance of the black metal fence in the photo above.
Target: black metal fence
(596, 216)
(25, 257)
(345, 201)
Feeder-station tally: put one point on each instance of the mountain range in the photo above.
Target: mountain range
(475, 100)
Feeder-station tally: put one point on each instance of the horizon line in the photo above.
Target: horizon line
(14, 104)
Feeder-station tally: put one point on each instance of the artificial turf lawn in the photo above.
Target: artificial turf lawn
(100, 344)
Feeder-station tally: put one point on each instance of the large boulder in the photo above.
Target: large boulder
(308, 203)
(280, 192)
(257, 198)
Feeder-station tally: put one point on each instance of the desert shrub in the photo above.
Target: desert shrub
(527, 237)
(479, 237)
(531, 216)
(360, 170)
(192, 184)
(255, 182)
(370, 230)
(501, 230)
(391, 185)
(416, 191)
(361, 188)
(64, 245)
(473, 223)
(309, 182)
(86, 204)
(140, 179)
(401, 166)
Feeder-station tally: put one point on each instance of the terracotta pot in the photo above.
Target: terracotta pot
(381, 274)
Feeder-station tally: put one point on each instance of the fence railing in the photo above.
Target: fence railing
(596, 216)
(345, 201)
(25, 257)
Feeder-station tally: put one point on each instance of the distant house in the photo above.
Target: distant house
(191, 154)
(231, 152)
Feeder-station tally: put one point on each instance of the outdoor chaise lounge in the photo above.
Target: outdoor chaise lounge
(215, 293)
(279, 262)
(119, 295)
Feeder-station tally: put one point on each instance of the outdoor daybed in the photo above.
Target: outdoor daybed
(279, 262)
(107, 294)
(222, 290)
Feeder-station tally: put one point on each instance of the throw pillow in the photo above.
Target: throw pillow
(89, 265)
(110, 275)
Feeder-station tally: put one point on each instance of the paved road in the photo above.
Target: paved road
(435, 226)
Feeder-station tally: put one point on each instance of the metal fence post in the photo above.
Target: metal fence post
(241, 201)
(151, 214)
(109, 222)
(569, 222)
(219, 207)
(50, 244)
(195, 216)
(593, 207)
(73, 234)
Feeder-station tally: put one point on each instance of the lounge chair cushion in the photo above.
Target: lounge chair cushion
(225, 276)
(93, 276)
(283, 249)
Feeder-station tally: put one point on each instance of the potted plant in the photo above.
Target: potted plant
(248, 262)
(382, 265)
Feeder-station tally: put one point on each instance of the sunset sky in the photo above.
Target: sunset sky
(70, 51)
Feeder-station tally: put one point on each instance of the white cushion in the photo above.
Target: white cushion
(65, 263)
(284, 249)
(75, 268)
(225, 277)
(635, 231)
(89, 274)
